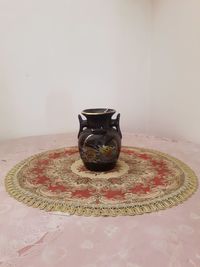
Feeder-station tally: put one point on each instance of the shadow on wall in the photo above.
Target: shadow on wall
(132, 66)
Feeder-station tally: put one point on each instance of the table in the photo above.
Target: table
(34, 238)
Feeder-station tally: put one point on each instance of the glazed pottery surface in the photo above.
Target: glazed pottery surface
(99, 139)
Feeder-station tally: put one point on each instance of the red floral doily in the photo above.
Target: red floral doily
(142, 181)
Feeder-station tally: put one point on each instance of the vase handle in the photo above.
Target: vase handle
(115, 123)
(83, 124)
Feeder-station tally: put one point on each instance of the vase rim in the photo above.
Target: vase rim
(98, 111)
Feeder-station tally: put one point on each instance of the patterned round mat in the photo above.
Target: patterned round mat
(143, 181)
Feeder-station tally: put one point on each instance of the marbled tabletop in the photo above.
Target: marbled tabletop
(33, 238)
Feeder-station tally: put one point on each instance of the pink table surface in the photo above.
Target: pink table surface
(34, 238)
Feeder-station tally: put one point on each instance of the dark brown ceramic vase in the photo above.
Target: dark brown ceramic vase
(99, 139)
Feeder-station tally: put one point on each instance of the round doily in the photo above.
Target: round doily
(143, 181)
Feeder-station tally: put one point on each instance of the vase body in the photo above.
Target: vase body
(99, 139)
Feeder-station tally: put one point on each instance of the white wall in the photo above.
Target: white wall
(59, 57)
(141, 57)
(175, 89)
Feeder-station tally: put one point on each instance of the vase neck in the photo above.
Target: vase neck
(99, 121)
